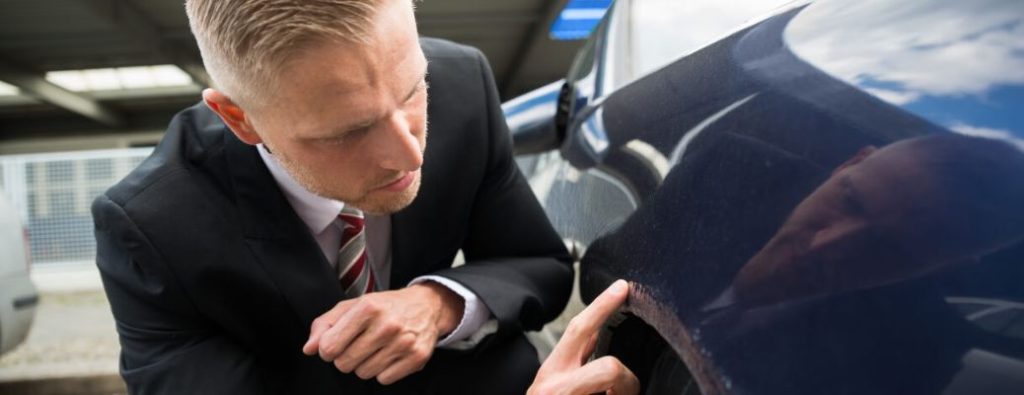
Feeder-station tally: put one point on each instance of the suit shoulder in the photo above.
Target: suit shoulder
(451, 69)
(192, 139)
(153, 177)
(436, 48)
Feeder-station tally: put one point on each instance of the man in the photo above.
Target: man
(294, 233)
(567, 370)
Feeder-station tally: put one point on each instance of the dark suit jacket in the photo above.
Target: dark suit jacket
(214, 281)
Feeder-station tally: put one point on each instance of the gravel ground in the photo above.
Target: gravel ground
(73, 335)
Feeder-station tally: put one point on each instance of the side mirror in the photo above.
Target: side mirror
(537, 120)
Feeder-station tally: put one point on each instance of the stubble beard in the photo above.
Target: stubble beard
(373, 202)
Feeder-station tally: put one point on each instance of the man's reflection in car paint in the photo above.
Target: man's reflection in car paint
(892, 214)
(884, 217)
(854, 261)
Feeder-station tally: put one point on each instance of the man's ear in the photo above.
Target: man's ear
(233, 116)
(857, 158)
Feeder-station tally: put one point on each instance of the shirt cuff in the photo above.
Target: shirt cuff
(474, 315)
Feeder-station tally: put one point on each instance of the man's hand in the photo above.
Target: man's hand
(566, 371)
(388, 335)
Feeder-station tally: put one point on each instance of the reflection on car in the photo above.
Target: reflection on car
(808, 197)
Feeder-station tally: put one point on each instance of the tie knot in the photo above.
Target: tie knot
(352, 217)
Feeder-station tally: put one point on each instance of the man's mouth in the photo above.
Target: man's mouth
(399, 184)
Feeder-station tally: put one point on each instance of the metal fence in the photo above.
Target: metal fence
(52, 192)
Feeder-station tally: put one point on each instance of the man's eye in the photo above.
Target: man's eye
(351, 134)
(851, 205)
(421, 89)
(849, 199)
(335, 140)
(357, 132)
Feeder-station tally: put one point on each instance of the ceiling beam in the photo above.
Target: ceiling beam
(537, 35)
(37, 86)
(196, 71)
(129, 18)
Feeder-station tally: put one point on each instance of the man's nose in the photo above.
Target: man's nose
(399, 147)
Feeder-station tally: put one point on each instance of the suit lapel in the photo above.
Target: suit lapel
(403, 247)
(278, 239)
(418, 246)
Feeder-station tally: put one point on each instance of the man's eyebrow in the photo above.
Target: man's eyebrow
(366, 124)
(355, 126)
(416, 87)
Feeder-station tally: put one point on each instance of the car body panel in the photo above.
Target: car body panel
(719, 150)
(19, 300)
(18, 296)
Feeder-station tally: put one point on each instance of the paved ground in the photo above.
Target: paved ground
(73, 335)
(72, 347)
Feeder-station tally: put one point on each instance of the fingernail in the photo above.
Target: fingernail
(620, 286)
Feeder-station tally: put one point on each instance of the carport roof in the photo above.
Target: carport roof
(37, 37)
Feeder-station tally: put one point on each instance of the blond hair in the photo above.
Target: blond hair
(245, 42)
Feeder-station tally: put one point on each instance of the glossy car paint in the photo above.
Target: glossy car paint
(720, 186)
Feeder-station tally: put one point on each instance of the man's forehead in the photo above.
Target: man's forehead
(900, 162)
(340, 68)
(358, 64)
(340, 100)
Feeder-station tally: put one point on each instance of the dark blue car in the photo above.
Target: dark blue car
(816, 197)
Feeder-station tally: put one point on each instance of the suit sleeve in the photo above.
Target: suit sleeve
(516, 262)
(166, 346)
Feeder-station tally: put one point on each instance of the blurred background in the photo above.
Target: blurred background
(86, 90)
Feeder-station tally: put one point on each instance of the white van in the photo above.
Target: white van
(18, 296)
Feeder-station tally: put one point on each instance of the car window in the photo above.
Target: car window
(568, 195)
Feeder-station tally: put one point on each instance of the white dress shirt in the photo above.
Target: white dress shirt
(320, 214)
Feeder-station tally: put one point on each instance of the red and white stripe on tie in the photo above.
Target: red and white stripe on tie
(354, 272)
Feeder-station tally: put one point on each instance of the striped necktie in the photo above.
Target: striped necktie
(354, 272)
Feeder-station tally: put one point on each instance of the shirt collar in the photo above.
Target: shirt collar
(316, 211)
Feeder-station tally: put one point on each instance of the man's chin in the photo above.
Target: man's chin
(380, 202)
